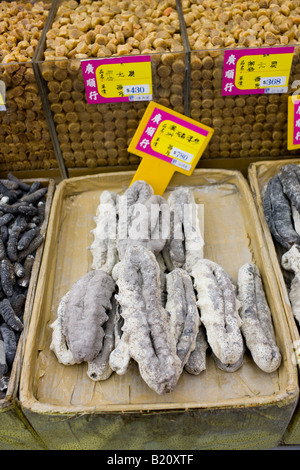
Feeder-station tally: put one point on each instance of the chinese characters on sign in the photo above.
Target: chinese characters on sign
(263, 70)
(293, 122)
(167, 141)
(172, 139)
(117, 79)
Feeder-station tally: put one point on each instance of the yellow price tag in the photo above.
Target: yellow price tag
(293, 140)
(167, 141)
(263, 71)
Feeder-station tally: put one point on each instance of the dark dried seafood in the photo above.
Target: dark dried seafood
(2, 250)
(257, 326)
(20, 184)
(145, 332)
(32, 247)
(14, 233)
(183, 313)
(216, 300)
(3, 363)
(104, 246)
(9, 316)
(7, 193)
(5, 277)
(5, 219)
(185, 245)
(143, 219)
(10, 343)
(290, 179)
(34, 196)
(291, 262)
(26, 272)
(18, 216)
(278, 214)
(27, 238)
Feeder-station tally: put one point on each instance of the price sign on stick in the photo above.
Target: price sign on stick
(167, 141)
(293, 141)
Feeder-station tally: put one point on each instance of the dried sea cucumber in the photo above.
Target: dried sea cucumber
(196, 362)
(35, 196)
(143, 219)
(17, 216)
(183, 312)
(3, 360)
(21, 184)
(145, 332)
(217, 302)
(99, 368)
(86, 312)
(27, 238)
(104, 246)
(6, 278)
(58, 340)
(10, 342)
(78, 330)
(289, 176)
(257, 326)
(278, 214)
(9, 316)
(291, 262)
(185, 245)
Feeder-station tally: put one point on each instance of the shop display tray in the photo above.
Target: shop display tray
(215, 410)
(259, 174)
(16, 433)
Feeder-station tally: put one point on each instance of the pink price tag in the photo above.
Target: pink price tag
(293, 134)
(296, 133)
(167, 142)
(117, 79)
(165, 131)
(256, 71)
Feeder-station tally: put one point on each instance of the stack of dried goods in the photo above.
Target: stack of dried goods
(25, 142)
(93, 135)
(22, 208)
(281, 205)
(152, 298)
(245, 125)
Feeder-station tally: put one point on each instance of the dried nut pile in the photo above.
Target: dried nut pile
(98, 135)
(249, 125)
(25, 142)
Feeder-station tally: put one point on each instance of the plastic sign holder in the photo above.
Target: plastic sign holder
(167, 141)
